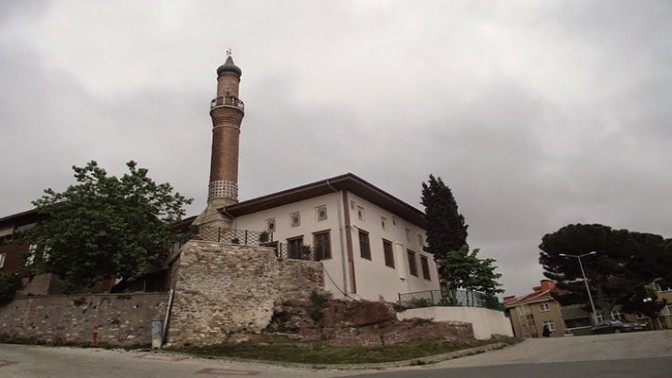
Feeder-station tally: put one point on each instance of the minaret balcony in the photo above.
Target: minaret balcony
(227, 101)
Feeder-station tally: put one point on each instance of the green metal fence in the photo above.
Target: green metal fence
(456, 297)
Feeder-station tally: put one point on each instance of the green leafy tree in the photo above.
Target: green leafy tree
(463, 269)
(106, 226)
(446, 230)
(624, 263)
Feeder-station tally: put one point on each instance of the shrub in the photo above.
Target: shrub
(9, 284)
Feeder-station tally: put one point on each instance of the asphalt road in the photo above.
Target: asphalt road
(645, 354)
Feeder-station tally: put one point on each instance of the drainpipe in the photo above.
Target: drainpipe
(165, 321)
(340, 234)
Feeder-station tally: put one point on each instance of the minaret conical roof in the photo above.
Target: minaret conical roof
(229, 66)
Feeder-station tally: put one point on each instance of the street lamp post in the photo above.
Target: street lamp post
(585, 281)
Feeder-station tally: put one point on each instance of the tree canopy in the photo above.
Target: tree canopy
(447, 241)
(618, 273)
(106, 226)
(446, 230)
(464, 269)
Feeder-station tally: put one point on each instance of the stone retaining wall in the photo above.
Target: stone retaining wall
(223, 289)
(121, 319)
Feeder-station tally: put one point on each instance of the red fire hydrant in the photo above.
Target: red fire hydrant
(94, 335)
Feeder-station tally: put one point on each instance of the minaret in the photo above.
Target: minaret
(227, 112)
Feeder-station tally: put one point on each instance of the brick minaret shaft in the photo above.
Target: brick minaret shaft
(227, 112)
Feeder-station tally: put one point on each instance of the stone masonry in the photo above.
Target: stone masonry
(121, 319)
(223, 289)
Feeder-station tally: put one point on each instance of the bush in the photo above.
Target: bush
(9, 284)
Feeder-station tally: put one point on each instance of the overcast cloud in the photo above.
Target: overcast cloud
(537, 114)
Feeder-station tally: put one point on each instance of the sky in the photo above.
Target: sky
(537, 114)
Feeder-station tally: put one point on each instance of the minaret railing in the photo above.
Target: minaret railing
(227, 101)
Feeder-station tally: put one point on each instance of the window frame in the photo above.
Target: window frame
(316, 251)
(544, 307)
(3, 257)
(388, 259)
(550, 324)
(424, 265)
(412, 262)
(289, 249)
(364, 245)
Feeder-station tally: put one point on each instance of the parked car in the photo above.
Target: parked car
(617, 326)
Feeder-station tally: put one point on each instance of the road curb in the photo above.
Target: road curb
(370, 366)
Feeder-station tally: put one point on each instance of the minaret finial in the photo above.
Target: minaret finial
(228, 52)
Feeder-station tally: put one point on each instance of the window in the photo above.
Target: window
(667, 310)
(352, 205)
(421, 241)
(364, 247)
(2, 259)
(665, 286)
(360, 213)
(617, 315)
(321, 213)
(524, 310)
(270, 225)
(550, 324)
(45, 253)
(543, 307)
(412, 266)
(383, 223)
(31, 254)
(394, 221)
(408, 235)
(294, 247)
(388, 252)
(295, 219)
(424, 263)
(322, 245)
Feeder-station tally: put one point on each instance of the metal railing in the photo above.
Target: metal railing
(458, 297)
(227, 101)
(252, 238)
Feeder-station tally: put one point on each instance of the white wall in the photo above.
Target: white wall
(485, 322)
(309, 224)
(374, 280)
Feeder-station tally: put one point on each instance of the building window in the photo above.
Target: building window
(412, 265)
(2, 259)
(665, 286)
(322, 245)
(364, 247)
(667, 310)
(321, 213)
(360, 213)
(270, 225)
(524, 310)
(421, 241)
(32, 249)
(424, 263)
(617, 315)
(408, 235)
(388, 252)
(394, 221)
(352, 205)
(550, 324)
(295, 219)
(383, 223)
(45, 253)
(295, 247)
(543, 307)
